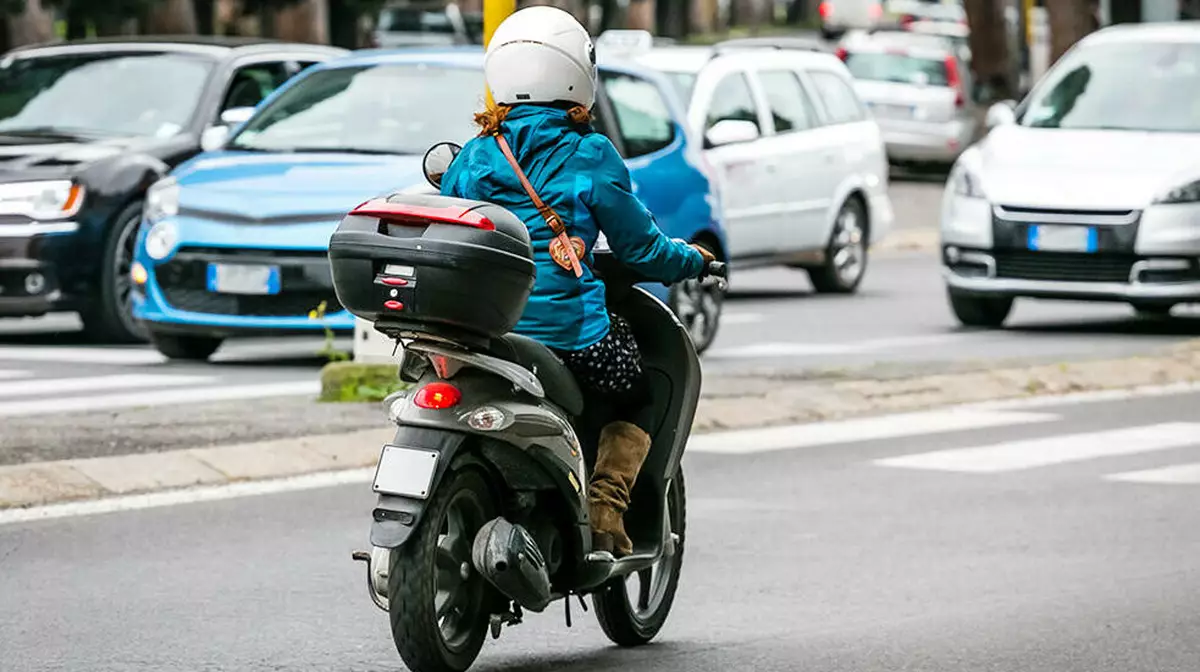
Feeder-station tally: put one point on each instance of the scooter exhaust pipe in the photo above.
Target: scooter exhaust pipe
(508, 557)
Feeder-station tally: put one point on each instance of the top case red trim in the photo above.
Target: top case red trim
(406, 213)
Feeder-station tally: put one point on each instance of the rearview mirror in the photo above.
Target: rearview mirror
(437, 161)
(731, 131)
(1002, 113)
(213, 138)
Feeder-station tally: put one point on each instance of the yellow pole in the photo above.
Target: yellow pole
(494, 13)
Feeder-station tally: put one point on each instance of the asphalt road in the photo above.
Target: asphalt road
(1064, 542)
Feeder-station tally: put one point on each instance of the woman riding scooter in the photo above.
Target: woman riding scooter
(538, 156)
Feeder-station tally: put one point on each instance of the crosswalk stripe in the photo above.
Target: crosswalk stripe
(82, 355)
(158, 398)
(793, 349)
(8, 374)
(863, 429)
(1052, 450)
(68, 386)
(1177, 475)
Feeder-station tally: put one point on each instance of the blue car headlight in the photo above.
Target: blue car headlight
(161, 240)
(1187, 193)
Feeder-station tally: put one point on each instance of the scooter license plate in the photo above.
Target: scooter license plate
(405, 472)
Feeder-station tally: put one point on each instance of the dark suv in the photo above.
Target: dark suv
(85, 129)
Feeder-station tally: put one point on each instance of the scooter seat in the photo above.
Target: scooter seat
(557, 380)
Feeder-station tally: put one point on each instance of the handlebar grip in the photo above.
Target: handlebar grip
(716, 269)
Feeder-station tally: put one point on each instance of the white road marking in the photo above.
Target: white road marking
(82, 355)
(158, 398)
(741, 318)
(861, 429)
(69, 386)
(1180, 474)
(1052, 450)
(10, 374)
(187, 496)
(793, 349)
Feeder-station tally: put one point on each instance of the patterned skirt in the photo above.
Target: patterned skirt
(612, 367)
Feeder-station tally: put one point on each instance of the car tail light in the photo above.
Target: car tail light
(418, 215)
(954, 81)
(876, 11)
(437, 396)
(841, 53)
(825, 10)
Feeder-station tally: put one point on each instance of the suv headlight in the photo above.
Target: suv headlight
(1188, 193)
(43, 199)
(162, 200)
(965, 182)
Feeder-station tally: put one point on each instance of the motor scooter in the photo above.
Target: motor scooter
(482, 510)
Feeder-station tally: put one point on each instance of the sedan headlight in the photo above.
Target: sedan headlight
(161, 240)
(162, 200)
(44, 199)
(964, 182)
(1188, 193)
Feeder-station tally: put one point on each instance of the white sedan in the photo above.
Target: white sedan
(1090, 188)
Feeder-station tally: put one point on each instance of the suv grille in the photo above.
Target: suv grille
(1062, 266)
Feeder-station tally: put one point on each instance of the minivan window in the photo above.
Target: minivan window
(841, 103)
(790, 106)
(732, 100)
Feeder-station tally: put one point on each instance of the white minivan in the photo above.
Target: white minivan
(800, 163)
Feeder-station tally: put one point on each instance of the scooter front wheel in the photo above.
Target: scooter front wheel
(436, 599)
(631, 610)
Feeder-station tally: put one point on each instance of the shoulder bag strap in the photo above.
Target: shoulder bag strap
(548, 214)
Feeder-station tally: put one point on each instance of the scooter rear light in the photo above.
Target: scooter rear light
(437, 396)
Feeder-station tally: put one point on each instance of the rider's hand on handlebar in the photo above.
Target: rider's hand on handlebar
(708, 256)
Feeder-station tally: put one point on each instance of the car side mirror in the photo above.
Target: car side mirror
(213, 138)
(1002, 113)
(731, 131)
(437, 161)
(236, 116)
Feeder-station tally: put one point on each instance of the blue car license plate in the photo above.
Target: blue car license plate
(243, 279)
(1051, 238)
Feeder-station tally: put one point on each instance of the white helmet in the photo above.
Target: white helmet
(541, 54)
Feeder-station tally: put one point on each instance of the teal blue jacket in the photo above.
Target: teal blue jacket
(580, 174)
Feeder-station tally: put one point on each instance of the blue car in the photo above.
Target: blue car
(233, 242)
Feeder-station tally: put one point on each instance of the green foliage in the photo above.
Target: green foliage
(351, 381)
(327, 350)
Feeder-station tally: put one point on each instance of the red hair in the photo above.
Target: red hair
(489, 120)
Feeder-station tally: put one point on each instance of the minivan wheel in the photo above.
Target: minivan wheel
(108, 316)
(980, 311)
(846, 255)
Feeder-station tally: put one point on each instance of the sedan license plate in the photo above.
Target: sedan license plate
(1063, 238)
(243, 279)
(405, 472)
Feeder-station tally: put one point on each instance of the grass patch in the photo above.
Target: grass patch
(355, 381)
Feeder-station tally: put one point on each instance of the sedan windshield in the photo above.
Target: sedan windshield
(130, 94)
(387, 109)
(1136, 86)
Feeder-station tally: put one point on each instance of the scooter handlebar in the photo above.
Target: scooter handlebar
(716, 269)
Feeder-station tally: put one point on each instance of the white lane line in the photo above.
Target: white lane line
(69, 386)
(741, 318)
(82, 355)
(1180, 474)
(8, 374)
(793, 349)
(159, 398)
(1052, 450)
(187, 496)
(863, 429)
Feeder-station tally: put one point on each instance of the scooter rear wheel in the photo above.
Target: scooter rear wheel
(437, 601)
(631, 612)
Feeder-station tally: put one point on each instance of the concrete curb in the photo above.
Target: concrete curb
(739, 404)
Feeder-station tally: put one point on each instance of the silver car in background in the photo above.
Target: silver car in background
(919, 95)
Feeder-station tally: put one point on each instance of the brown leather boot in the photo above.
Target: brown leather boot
(622, 450)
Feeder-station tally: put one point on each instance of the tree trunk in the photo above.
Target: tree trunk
(32, 25)
(1070, 20)
(171, 17)
(703, 16)
(343, 25)
(305, 21)
(640, 15)
(989, 49)
(206, 16)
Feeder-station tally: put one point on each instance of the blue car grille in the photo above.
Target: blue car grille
(305, 281)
